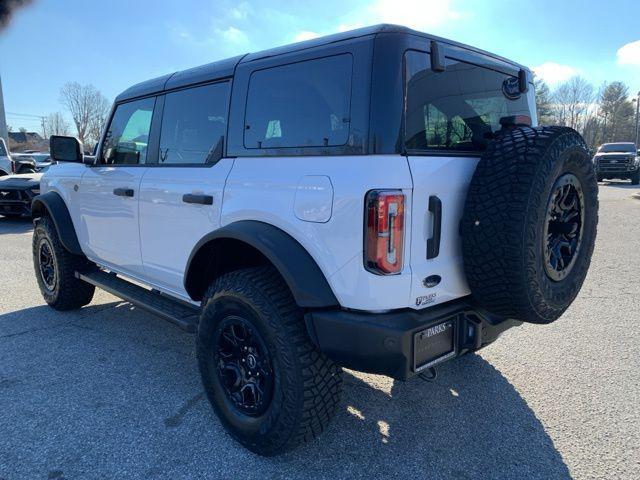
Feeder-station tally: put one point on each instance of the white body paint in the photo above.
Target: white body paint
(319, 201)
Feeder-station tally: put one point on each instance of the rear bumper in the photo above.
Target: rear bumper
(383, 343)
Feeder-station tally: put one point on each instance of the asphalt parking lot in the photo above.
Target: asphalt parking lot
(113, 392)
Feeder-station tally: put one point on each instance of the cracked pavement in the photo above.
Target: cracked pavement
(110, 391)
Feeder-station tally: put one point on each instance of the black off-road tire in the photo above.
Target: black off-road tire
(306, 384)
(506, 212)
(66, 292)
(635, 178)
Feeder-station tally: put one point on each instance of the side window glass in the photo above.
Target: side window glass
(3, 151)
(127, 138)
(194, 124)
(305, 104)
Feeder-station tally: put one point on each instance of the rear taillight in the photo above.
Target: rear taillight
(384, 231)
(13, 166)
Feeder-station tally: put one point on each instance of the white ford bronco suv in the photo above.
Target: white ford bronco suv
(381, 200)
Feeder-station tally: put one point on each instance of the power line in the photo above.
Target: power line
(14, 114)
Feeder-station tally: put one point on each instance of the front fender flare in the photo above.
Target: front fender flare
(299, 270)
(52, 204)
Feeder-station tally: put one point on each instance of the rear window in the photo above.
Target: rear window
(305, 104)
(3, 151)
(458, 109)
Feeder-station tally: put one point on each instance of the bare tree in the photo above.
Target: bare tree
(572, 101)
(55, 124)
(98, 120)
(86, 105)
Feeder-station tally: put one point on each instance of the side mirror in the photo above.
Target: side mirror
(65, 149)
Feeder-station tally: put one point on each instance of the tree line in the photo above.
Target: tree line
(603, 115)
(88, 109)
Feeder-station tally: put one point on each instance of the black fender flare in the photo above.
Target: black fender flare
(299, 270)
(53, 204)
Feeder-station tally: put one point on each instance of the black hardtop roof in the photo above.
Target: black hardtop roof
(225, 68)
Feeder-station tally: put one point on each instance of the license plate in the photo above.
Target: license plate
(434, 345)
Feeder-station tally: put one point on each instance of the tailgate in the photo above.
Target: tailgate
(444, 180)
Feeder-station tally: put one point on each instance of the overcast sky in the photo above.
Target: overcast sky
(113, 44)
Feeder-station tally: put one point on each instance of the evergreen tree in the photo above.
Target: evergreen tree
(544, 106)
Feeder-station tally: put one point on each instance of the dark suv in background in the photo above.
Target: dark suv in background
(618, 160)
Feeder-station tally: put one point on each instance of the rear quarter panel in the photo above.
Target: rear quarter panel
(264, 189)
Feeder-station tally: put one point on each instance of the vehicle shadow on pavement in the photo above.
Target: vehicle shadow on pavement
(469, 423)
(15, 225)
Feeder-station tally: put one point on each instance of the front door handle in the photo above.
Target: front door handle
(123, 192)
(200, 199)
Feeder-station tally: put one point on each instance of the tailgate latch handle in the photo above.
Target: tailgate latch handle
(433, 243)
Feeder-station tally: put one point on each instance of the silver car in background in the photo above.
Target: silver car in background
(19, 163)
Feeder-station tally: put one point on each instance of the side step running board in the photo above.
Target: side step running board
(180, 313)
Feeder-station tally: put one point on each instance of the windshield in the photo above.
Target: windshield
(618, 147)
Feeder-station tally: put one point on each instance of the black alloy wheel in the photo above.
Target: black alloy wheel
(47, 264)
(563, 227)
(243, 366)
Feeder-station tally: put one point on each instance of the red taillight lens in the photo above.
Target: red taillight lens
(384, 231)
(13, 166)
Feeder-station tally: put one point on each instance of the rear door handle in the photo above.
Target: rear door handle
(200, 199)
(433, 244)
(123, 192)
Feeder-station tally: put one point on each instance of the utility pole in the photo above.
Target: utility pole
(637, 120)
(3, 121)
(43, 125)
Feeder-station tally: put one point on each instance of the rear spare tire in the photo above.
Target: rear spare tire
(529, 224)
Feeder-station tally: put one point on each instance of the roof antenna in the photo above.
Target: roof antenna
(437, 57)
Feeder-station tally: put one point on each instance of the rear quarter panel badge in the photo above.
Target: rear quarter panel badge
(426, 299)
